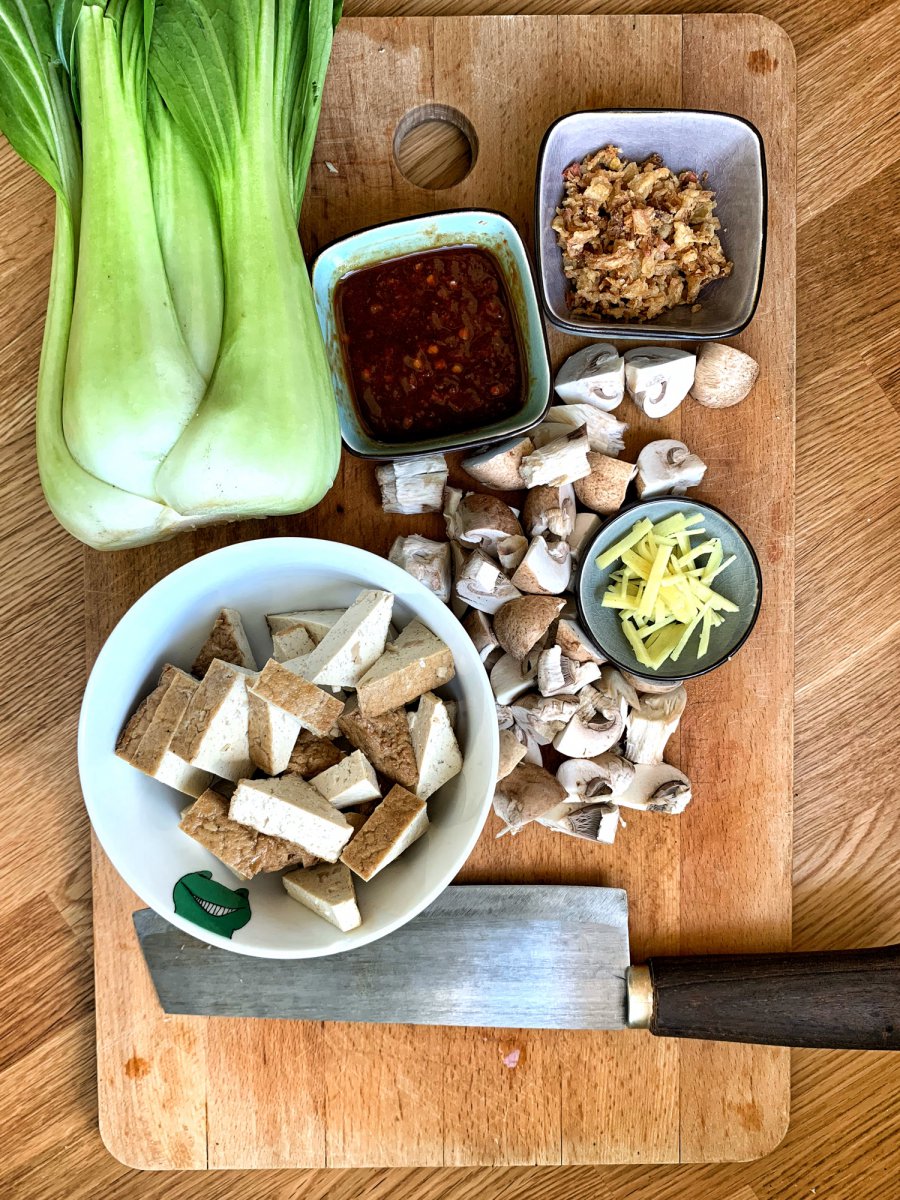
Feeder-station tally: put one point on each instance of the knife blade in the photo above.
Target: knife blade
(540, 957)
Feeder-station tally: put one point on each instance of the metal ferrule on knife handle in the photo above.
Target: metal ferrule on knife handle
(639, 997)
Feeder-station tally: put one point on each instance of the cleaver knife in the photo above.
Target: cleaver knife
(540, 957)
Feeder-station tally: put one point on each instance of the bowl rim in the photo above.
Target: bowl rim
(541, 342)
(637, 670)
(654, 331)
(92, 794)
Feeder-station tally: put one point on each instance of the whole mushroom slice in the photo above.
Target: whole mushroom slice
(426, 560)
(584, 739)
(511, 551)
(526, 793)
(593, 375)
(658, 788)
(512, 751)
(558, 675)
(550, 510)
(651, 723)
(543, 717)
(511, 678)
(587, 526)
(482, 520)
(498, 466)
(667, 467)
(724, 375)
(478, 627)
(560, 460)
(574, 642)
(412, 485)
(603, 490)
(482, 584)
(605, 433)
(658, 379)
(596, 822)
(545, 569)
(604, 775)
(520, 625)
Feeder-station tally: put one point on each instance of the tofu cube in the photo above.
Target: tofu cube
(281, 684)
(350, 782)
(245, 851)
(416, 662)
(228, 642)
(273, 734)
(316, 621)
(312, 755)
(291, 642)
(214, 731)
(395, 824)
(326, 889)
(435, 746)
(289, 808)
(385, 740)
(354, 642)
(146, 740)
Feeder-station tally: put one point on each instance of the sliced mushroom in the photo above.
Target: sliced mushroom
(561, 460)
(520, 625)
(592, 375)
(604, 775)
(603, 490)
(498, 466)
(584, 739)
(482, 520)
(605, 433)
(658, 379)
(478, 627)
(545, 569)
(667, 467)
(543, 717)
(511, 551)
(482, 584)
(558, 675)
(587, 525)
(492, 659)
(550, 510)
(425, 560)
(651, 687)
(511, 678)
(458, 556)
(412, 485)
(575, 643)
(598, 822)
(724, 375)
(658, 788)
(526, 793)
(618, 687)
(651, 723)
(532, 746)
(512, 751)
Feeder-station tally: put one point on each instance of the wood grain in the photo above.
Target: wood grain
(844, 1139)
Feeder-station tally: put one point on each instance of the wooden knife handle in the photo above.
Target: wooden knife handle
(846, 999)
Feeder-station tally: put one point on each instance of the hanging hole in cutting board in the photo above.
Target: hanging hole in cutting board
(435, 146)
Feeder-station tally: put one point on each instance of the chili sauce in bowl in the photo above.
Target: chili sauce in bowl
(431, 344)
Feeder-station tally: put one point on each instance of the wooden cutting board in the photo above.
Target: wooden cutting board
(198, 1093)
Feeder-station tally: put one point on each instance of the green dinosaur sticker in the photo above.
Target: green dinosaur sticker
(213, 906)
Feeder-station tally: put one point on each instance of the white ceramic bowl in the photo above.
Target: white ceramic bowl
(136, 818)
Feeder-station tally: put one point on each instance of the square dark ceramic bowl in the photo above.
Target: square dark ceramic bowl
(729, 148)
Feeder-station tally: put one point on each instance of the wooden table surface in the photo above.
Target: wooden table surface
(844, 1140)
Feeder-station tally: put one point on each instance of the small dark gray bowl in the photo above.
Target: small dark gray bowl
(741, 582)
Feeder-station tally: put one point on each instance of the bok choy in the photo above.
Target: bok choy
(183, 377)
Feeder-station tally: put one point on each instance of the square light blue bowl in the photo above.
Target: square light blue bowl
(741, 583)
(487, 230)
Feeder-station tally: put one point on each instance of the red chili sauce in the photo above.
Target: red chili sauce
(431, 344)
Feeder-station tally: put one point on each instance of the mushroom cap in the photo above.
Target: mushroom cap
(595, 375)
(545, 569)
(511, 550)
(520, 624)
(657, 378)
(603, 775)
(526, 793)
(657, 788)
(478, 627)
(482, 584)
(581, 739)
(668, 466)
(586, 525)
(574, 642)
(549, 510)
(603, 490)
(512, 751)
(724, 375)
(481, 519)
(543, 716)
(498, 466)
(511, 678)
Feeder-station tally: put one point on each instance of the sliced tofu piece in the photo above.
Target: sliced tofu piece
(214, 731)
(282, 685)
(316, 621)
(227, 641)
(328, 890)
(291, 642)
(435, 746)
(395, 824)
(351, 781)
(146, 740)
(273, 734)
(357, 820)
(289, 808)
(312, 755)
(416, 662)
(243, 850)
(353, 643)
(385, 740)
